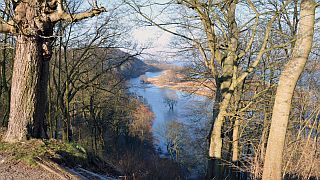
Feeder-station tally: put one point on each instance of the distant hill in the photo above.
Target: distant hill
(125, 64)
(133, 66)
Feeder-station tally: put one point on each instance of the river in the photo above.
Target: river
(182, 124)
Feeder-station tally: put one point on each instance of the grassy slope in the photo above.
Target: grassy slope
(28, 156)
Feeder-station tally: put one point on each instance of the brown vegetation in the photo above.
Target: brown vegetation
(175, 80)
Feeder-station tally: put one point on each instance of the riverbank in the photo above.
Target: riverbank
(176, 81)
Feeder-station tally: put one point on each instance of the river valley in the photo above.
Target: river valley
(180, 120)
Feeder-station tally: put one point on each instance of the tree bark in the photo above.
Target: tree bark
(215, 146)
(40, 124)
(287, 83)
(25, 99)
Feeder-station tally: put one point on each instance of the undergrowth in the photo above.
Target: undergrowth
(68, 153)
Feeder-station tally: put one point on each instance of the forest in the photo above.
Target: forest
(234, 95)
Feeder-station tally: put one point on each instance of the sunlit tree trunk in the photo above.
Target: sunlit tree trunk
(228, 74)
(235, 140)
(287, 83)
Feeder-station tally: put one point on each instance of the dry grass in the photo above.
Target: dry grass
(199, 88)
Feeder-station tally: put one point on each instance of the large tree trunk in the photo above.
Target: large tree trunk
(288, 80)
(30, 72)
(33, 23)
(26, 97)
(222, 101)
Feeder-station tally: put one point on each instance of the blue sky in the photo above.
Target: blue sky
(157, 39)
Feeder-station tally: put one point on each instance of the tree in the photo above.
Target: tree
(170, 99)
(287, 83)
(33, 23)
(143, 79)
(142, 118)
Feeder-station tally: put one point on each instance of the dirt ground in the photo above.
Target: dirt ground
(15, 170)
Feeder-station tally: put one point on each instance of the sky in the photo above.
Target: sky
(157, 40)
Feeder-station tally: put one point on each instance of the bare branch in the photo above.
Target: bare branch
(136, 8)
(262, 49)
(61, 15)
(253, 31)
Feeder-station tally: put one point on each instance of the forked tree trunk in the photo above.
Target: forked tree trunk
(215, 167)
(287, 83)
(26, 97)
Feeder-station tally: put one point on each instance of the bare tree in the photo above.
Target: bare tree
(143, 79)
(171, 99)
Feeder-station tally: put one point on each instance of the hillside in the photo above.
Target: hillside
(122, 63)
(50, 160)
(55, 159)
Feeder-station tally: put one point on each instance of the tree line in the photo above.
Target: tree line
(58, 79)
